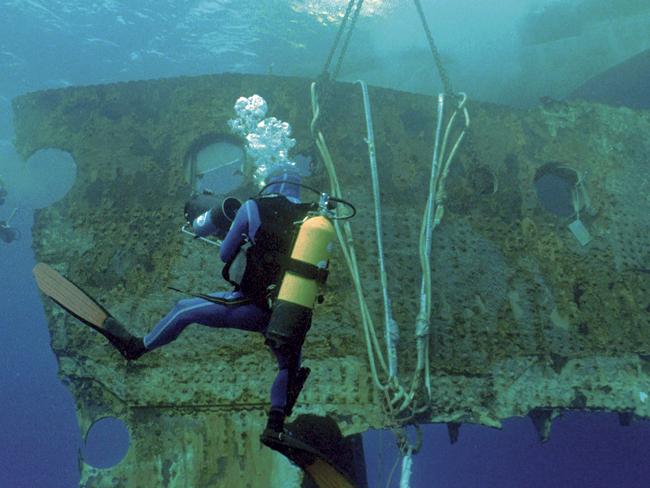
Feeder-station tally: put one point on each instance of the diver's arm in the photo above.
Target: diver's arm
(243, 227)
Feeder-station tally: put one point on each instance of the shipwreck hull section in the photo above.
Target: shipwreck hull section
(527, 320)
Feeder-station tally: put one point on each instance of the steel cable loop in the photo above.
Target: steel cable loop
(397, 399)
(315, 108)
(403, 443)
(391, 330)
(393, 391)
(344, 235)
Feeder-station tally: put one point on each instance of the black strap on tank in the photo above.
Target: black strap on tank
(305, 270)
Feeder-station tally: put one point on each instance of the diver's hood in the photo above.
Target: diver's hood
(286, 183)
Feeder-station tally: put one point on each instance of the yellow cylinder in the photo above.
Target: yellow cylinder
(313, 244)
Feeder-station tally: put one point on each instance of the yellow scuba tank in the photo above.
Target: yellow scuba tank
(304, 271)
(313, 245)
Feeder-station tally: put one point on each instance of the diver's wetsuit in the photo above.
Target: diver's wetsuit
(231, 314)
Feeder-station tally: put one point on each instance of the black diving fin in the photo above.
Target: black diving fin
(82, 306)
(318, 467)
(316, 445)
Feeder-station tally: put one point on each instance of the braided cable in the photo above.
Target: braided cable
(344, 49)
(442, 73)
(330, 56)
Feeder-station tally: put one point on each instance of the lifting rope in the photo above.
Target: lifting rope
(391, 330)
(442, 72)
(407, 451)
(400, 401)
(330, 56)
(344, 49)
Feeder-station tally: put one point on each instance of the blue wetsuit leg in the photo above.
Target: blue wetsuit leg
(246, 316)
(287, 362)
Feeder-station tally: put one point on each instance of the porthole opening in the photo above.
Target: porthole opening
(555, 186)
(106, 443)
(44, 179)
(218, 168)
(216, 165)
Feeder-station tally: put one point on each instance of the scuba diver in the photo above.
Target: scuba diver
(262, 233)
(276, 254)
(259, 252)
(9, 234)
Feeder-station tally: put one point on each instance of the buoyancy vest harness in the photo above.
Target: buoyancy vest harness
(269, 256)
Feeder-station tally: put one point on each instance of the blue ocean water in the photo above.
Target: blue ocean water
(55, 43)
(39, 434)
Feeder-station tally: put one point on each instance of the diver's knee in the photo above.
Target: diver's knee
(183, 304)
